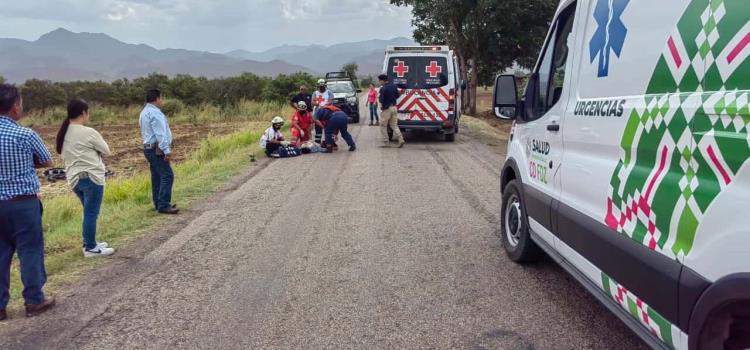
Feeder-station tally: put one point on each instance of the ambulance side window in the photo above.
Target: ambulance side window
(552, 67)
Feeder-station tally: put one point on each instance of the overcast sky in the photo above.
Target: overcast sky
(212, 25)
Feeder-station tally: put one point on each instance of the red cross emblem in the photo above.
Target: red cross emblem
(434, 69)
(401, 69)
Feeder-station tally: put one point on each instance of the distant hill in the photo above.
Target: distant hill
(62, 55)
(367, 54)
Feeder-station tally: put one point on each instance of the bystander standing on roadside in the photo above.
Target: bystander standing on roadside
(82, 149)
(303, 96)
(21, 152)
(372, 103)
(157, 148)
(388, 103)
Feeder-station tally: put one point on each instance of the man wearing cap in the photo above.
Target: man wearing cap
(389, 116)
(21, 151)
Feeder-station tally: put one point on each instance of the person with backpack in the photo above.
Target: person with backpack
(82, 149)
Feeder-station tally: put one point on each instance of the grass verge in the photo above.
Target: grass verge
(127, 212)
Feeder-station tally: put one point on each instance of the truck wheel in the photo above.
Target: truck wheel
(514, 226)
(728, 328)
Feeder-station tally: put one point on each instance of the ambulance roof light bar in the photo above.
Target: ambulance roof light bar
(433, 48)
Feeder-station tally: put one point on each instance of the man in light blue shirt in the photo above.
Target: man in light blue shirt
(157, 147)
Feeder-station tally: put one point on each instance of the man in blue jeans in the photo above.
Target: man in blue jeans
(157, 143)
(21, 151)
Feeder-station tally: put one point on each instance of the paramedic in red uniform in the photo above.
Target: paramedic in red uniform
(302, 124)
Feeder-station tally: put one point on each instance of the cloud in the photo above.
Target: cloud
(213, 25)
(120, 13)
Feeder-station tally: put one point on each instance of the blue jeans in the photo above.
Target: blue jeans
(91, 196)
(21, 232)
(162, 179)
(374, 113)
(338, 123)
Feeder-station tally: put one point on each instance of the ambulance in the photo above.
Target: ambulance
(428, 79)
(629, 164)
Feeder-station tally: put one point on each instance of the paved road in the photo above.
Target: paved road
(381, 248)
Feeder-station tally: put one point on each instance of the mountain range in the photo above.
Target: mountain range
(62, 55)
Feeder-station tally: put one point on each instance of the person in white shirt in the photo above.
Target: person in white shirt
(272, 138)
(82, 149)
(321, 98)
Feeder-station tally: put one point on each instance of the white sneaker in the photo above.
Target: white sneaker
(97, 251)
(102, 244)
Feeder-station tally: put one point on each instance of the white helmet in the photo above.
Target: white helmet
(277, 120)
(321, 82)
(301, 105)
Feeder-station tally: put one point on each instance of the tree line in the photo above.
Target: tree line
(190, 90)
(488, 36)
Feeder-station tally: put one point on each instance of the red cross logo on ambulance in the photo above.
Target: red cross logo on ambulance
(434, 69)
(401, 69)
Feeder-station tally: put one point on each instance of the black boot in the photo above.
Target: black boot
(352, 148)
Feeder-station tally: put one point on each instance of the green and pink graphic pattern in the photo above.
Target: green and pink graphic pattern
(687, 138)
(648, 317)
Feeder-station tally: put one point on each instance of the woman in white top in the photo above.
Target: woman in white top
(82, 149)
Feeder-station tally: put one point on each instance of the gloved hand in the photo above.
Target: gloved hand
(302, 133)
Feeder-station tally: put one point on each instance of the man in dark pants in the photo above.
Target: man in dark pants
(21, 151)
(333, 121)
(157, 147)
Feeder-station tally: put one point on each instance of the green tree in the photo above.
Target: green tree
(366, 81)
(188, 89)
(2, 79)
(351, 68)
(488, 36)
(42, 94)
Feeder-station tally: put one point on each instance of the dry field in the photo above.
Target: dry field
(125, 142)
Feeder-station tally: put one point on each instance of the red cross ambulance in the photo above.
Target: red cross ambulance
(428, 79)
(629, 163)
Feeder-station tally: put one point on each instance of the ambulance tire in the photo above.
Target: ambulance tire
(514, 226)
(450, 137)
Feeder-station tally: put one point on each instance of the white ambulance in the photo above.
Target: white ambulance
(428, 79)
(629, 163)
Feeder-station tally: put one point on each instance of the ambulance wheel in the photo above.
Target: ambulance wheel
(514, 226)
(450, 137)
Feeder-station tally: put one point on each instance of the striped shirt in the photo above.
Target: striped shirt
(20, 149)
